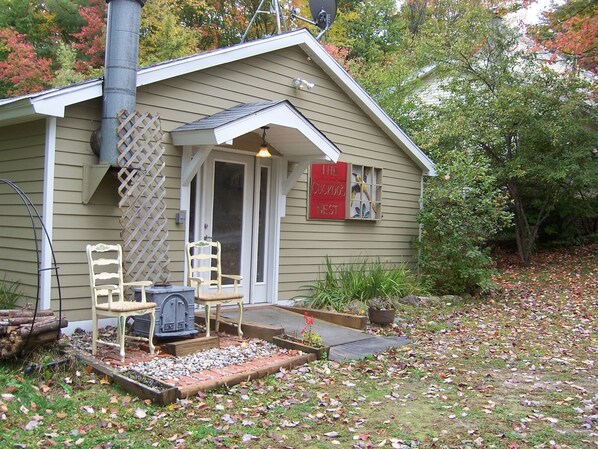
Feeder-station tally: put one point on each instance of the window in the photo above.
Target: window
(365, 201)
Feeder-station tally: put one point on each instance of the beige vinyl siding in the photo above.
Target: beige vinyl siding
(305, 243)
(21, 162)
(77, 224)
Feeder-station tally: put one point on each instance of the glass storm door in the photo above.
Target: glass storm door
(235, 202)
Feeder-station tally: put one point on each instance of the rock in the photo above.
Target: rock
(177, 367)
(356, 307)
(419, 301)
(412, 300)
(451, 298)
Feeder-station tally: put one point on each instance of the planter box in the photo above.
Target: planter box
(146, 387)
(289, 342)
(342, 319)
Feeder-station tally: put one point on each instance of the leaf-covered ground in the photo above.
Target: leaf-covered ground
(517, 370)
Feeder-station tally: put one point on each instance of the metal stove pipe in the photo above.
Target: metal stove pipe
(120, 70)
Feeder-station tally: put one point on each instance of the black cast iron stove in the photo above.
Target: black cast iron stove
(174, 312)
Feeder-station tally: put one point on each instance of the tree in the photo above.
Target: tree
(530, 122)
(21, 70)
(162, 36)
(370, 29)
(66, 58)
(90, 40)
(571, 30)
(462, 210)
(415, 11)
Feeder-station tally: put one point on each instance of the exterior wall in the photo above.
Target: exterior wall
(77, 224)
(21, 162)
(304, 244)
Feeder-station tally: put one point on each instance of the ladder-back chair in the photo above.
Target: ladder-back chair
(203, 259)
(108, 296)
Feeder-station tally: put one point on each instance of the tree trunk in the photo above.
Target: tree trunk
(525, 233)
(525, 238)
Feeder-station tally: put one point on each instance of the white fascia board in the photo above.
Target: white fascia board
(51, 103)
(194, 137)
(220, 56)
(54, 103)
(277, 115)
(282, 115)
(361, 97)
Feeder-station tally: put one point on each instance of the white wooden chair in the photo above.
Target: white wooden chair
(202, 260)
(108, 299)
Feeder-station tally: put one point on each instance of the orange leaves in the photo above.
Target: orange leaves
(22, 67)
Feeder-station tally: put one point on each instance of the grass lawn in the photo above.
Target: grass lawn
(517, 370)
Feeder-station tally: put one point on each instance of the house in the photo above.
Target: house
(213, 109)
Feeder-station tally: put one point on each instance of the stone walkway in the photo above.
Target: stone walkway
(345, 343)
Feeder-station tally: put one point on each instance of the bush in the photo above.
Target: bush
(9, 294)
(462, 210)
(360, 281)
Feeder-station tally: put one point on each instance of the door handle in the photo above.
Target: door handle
(207, 237)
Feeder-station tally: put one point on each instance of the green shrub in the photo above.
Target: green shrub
(360, 281)
(462, 210)
(9, 294)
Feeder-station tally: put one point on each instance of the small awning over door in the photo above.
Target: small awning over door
(290, 133)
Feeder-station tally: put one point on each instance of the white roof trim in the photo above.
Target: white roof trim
(42, 103)
(49, 103)
(278, 117)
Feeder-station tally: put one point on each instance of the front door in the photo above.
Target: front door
(234, 210)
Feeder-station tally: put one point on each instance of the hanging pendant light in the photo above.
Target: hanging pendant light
(264, 146)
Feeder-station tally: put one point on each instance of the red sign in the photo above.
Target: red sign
(328, 191)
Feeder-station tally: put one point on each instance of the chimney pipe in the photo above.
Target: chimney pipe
(120, 70)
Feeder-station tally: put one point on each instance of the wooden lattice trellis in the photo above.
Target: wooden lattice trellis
(144, 227)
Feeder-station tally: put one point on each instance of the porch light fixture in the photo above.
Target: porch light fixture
(264, 146)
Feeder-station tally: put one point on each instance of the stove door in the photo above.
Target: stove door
(174, 314)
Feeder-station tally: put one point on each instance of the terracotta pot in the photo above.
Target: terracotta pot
(378, 316)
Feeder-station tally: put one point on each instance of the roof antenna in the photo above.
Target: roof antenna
(274, 9)
(323, 13)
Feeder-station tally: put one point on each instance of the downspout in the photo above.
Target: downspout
(120, 70)
(48, 215)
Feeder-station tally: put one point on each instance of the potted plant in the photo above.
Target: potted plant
(381, 310)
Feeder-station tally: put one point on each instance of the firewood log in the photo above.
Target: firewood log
(38, 328)
(24, 312)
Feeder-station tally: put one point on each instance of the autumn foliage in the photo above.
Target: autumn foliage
(571, 31)
(21, 70)
(90, 41)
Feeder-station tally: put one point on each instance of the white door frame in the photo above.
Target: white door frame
(269, 288)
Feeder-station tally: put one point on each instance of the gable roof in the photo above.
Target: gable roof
(287, 128)
(54, 101)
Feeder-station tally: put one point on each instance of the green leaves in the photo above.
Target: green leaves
(360, 281)
(462, 210)
(499, 101)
